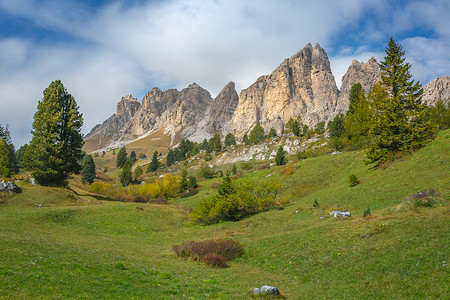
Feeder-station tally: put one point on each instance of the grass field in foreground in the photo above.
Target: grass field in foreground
(83, 246)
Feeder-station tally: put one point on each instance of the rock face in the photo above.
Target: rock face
(301, 85)
(367, 74)
(437, 89)
(112, 128)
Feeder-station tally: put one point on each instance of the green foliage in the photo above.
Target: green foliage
(121, 157)
(230, 140)
(353, 180)
(214, 144)
(138, 172)
(184, 184)
(55, 149)
(234, 170)
(257, 134)
(320, 128)
(245, 139)
(153, 166)
(337, 126)
(88, 170)
(272, 133)
(366, 213)
(20, 153)
(316, 203)
(193, 182)
(170, 158)
(356, 92)
(206, 172)
(280, 159)
(133, 157)
(126, 177)
(5, 160)
(401, 122)
(142, 156)
(203, 145)
(235, 201)
(440, 115)
(296, 126)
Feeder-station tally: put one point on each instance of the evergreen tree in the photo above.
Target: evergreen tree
(55, 149)
(133, 157)
(184, 184)
(230, 140)
(203, 145)
(126, 177)
(320, 128)
(234, 170)
(138, 173)
(20, 153)
(5, 159)
(337, 126)
(401, 122)
(88, 170)
(193, 182)
(280, 159)
(272, 133)
(154, 164)
(226, 187)
(257, 134)
(170, 159)
(440, 114)
(355, 94)
(295, 128)
(245, 139)
(121, 157)
(6, 136)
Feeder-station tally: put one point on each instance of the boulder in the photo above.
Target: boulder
(338, 213)
(266, 290)
(9, 186)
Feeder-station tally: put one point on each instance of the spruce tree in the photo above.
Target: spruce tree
(184, 184)
(355, 94)
(88, 170)
(121, 157)
(401, 122)
(133, 157)
(280, 159)
(154, 164)
(170, 159)
(230, 140)
(9, 163)
(138, 172)
(193, 182)
(245, 139)
(272, 133)
(257, 134)
(55, 149)
(126, 176)
(5, 160)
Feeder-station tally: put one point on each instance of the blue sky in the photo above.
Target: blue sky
(102, 50)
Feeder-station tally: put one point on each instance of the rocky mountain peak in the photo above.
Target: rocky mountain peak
(127, 106)
(439, 88)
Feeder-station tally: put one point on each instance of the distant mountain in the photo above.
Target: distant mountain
(301, 85)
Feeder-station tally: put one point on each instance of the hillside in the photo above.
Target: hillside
(60, 243)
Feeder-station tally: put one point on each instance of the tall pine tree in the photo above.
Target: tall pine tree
(55, 149)
(400, 122)
(88, 170)
(153, 166)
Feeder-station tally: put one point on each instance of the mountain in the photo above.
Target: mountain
(302, 85)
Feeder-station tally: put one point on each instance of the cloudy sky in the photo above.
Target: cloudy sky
(102, 50)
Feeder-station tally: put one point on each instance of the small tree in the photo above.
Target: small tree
(5, 159)
(234, 170)
(280, 159)
(153, 166)
(133, 157)
(230, 140)
(138, 172)
(126, 177)
(272, 133)
(193, 182)
(257, 134)
(320, 128)
(121, 157)
(184, 184)
(245, 139)
(170, 158)
(88, 170)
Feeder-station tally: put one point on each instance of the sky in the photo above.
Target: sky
(103, 50)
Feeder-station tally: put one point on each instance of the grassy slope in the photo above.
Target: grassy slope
(71, 246)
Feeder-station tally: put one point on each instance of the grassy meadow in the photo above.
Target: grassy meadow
(63, 243)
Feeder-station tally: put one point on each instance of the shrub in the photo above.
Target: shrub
(214, 260)
(247, 166)
(288, 170)
(316, 204)
(207, 172)
(353, 180)
(366, 213)
(212, 252)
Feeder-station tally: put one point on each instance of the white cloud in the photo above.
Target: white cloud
(129, 48)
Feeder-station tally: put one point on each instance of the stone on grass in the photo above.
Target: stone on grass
(266, 290)
(9, 186)
(338, 213)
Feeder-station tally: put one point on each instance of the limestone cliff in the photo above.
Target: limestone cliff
(367, 74)
(437, 89)
(301, 85)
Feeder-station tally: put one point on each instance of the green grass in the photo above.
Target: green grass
(78, 245)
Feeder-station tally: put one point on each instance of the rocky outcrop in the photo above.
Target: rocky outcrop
(367, 74)
(112, 129)
(437, 89)
(302, 85)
